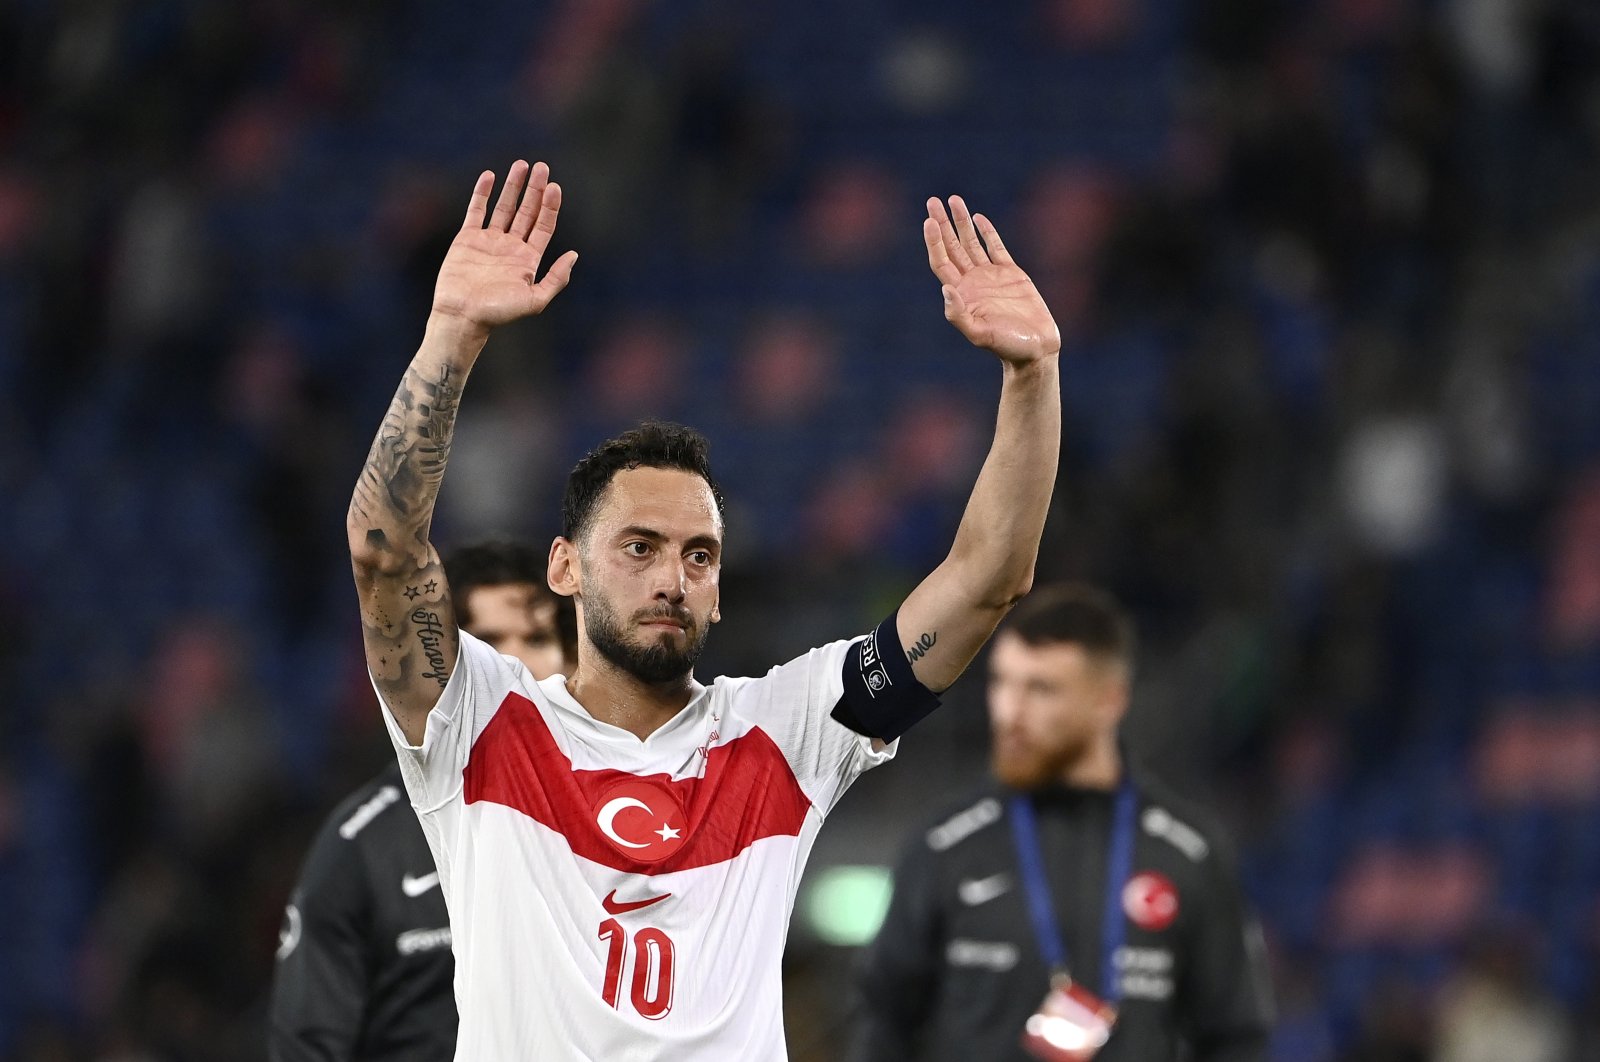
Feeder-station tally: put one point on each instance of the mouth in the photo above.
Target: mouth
(1011, 748)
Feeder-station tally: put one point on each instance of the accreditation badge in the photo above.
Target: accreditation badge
(1071, 1025)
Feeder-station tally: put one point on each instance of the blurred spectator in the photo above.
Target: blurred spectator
(1491, 1010)
(1395, 1027)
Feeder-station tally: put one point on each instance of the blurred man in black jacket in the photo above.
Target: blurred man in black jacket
(364, 964)
(1076, 875)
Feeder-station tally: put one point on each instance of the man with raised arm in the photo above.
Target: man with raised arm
(619, 850)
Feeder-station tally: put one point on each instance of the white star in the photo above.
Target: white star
(667, 833)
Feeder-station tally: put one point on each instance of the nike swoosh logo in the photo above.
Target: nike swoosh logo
(616, 906)
(417, 886)
(975, 891)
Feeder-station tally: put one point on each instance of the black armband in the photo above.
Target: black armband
(882, 697)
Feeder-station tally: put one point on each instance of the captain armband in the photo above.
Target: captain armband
(882, 697)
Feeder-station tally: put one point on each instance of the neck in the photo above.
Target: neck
(615, 696)
(1099, 767)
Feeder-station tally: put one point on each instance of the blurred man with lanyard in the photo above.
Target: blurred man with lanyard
(1077, 909)
(364, 964)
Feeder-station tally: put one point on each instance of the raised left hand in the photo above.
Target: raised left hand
(987, 296)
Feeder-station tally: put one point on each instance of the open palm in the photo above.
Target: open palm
(490, 275)
(987, 296)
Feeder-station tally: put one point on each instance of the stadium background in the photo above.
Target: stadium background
(1329, 272)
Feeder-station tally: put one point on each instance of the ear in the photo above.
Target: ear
(564, 573)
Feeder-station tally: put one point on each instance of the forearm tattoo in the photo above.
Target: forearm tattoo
(406, 464)
(406, 611)
(430, 635)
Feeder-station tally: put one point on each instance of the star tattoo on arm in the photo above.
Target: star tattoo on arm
(411, 593)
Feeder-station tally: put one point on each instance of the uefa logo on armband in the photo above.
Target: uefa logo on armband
(872, 669)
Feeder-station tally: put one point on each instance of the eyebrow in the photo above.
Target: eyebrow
(710, 542)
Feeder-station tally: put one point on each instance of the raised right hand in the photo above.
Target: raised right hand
(490, 275)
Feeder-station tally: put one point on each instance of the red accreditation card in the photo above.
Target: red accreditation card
(1071, 1025)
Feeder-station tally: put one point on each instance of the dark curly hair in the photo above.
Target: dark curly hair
(653, 444)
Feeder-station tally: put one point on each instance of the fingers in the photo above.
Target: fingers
(510, 194)
(544, 225)
(532, 201)
(947, 233)
(967, 234)
(991, 238)
(997, 250)
(479, 203)
(938, 258)
(555, 279)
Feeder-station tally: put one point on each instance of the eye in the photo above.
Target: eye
(700, 557)
(636, 549)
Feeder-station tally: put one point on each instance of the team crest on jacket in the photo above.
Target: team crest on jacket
(642, 820)
(1151, 901)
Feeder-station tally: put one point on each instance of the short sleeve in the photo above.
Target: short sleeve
(478, 685)
(793, 705)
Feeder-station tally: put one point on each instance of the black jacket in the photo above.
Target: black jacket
(955, 971)
(364, 968)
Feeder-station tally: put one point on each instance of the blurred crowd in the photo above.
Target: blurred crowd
(1329, 276)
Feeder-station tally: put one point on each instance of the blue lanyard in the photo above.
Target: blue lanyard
(1119, 865)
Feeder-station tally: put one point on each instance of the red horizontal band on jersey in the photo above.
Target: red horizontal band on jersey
(747, 792)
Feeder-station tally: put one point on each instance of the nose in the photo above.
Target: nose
(671, 581)
(1003, 706)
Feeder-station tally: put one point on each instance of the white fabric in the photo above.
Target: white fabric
(526, 910)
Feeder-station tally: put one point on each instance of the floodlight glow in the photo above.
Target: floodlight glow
(846, 904)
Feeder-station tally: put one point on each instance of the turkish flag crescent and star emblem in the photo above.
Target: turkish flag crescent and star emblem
(641, 820)
(1151, 901)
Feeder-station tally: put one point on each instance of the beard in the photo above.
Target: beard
(1026, 766)
(656, 663)
(1023, 772)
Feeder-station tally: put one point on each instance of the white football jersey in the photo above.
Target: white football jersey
(616, 899)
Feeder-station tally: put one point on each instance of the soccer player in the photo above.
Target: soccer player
(620, 849)
(1077, 874)
(364, 967)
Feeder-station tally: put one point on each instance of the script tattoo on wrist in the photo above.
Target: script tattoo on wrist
(920, 647)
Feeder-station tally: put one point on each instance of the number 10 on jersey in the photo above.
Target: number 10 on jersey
(651, 989)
